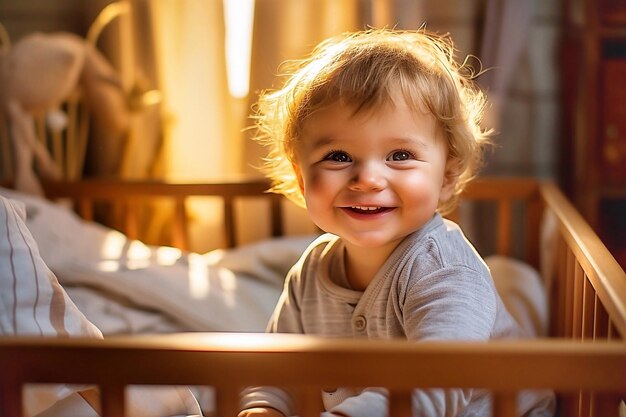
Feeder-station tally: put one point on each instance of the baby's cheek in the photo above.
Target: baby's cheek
(316, 183)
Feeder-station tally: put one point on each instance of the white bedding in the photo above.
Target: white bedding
(124, 286)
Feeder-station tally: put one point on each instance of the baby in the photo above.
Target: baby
(376, 134)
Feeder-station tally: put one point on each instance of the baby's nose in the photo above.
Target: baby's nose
(368, 176)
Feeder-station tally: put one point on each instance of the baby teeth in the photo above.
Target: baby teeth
(365, 208)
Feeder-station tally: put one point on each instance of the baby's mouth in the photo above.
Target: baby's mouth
(368, 209)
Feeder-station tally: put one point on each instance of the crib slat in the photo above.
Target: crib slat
(85, 208)
(11, 400)
(400, 403)
(534, 210)
(588, 309)
(131, 226)
(557, 299)
(180, 236)
(504, 227)
(309, 402)
(229, 222)
(577, 301)
(504, 404)
(569, 294)
(112, 400)
(568, 402)
(584, 403)
(276, 217)
(601, 320)
(226, 401)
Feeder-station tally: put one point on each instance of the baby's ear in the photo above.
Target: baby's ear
(296, 170)
(450, 178)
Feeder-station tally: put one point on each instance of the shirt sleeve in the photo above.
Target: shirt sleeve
(286, 317)
(455, 303)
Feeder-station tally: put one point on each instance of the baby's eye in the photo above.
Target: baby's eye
(401, 156)
(338, 156)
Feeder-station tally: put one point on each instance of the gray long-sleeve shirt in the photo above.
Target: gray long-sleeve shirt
(434, 286)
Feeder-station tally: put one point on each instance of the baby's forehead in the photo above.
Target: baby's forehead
(363, 106)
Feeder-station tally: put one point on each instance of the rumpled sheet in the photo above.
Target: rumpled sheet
(125, 287)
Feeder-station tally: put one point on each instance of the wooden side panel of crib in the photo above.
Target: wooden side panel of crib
(306, 364)
(129, 201)
(588, 285)
(587, 299)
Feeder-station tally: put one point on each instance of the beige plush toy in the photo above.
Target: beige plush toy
(37, 75)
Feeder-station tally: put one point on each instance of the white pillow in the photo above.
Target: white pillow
(523, 293)
(32, 302)
(61, 235)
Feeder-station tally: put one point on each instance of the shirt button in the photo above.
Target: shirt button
(360, 323)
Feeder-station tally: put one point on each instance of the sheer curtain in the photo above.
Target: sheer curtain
(201, 139)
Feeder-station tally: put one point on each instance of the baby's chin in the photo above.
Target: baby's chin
(373, 240)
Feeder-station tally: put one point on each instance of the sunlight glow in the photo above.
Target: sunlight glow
(199, 284)
(214, 256)
(113, 245)
(166, 255)
(239, 18)
(138, 251)
(109, 266)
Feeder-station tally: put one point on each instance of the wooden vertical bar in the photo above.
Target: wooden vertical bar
(597, 401)
(557, 295)
(588, 310)
(577, 301)
(568, 404)
(276, 217)
(130, 215)
(229, 222)
(10, 399)
(534, 209)
(85, 209)
(226, 401)
(504, 227)
(504, 404)
(180, 236)
(400, 403)
(584, 403)
(309, 402)
(569, 294)
(112, 400)
(600, 321)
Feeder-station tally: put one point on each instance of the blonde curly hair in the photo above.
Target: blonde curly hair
(364, 69)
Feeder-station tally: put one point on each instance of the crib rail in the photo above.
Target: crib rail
(128, 196)
(592, 304)
(585, 362)
(305, 364)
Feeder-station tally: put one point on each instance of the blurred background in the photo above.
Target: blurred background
(183, 75)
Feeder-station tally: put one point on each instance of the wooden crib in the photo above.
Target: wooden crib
(584, 360)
